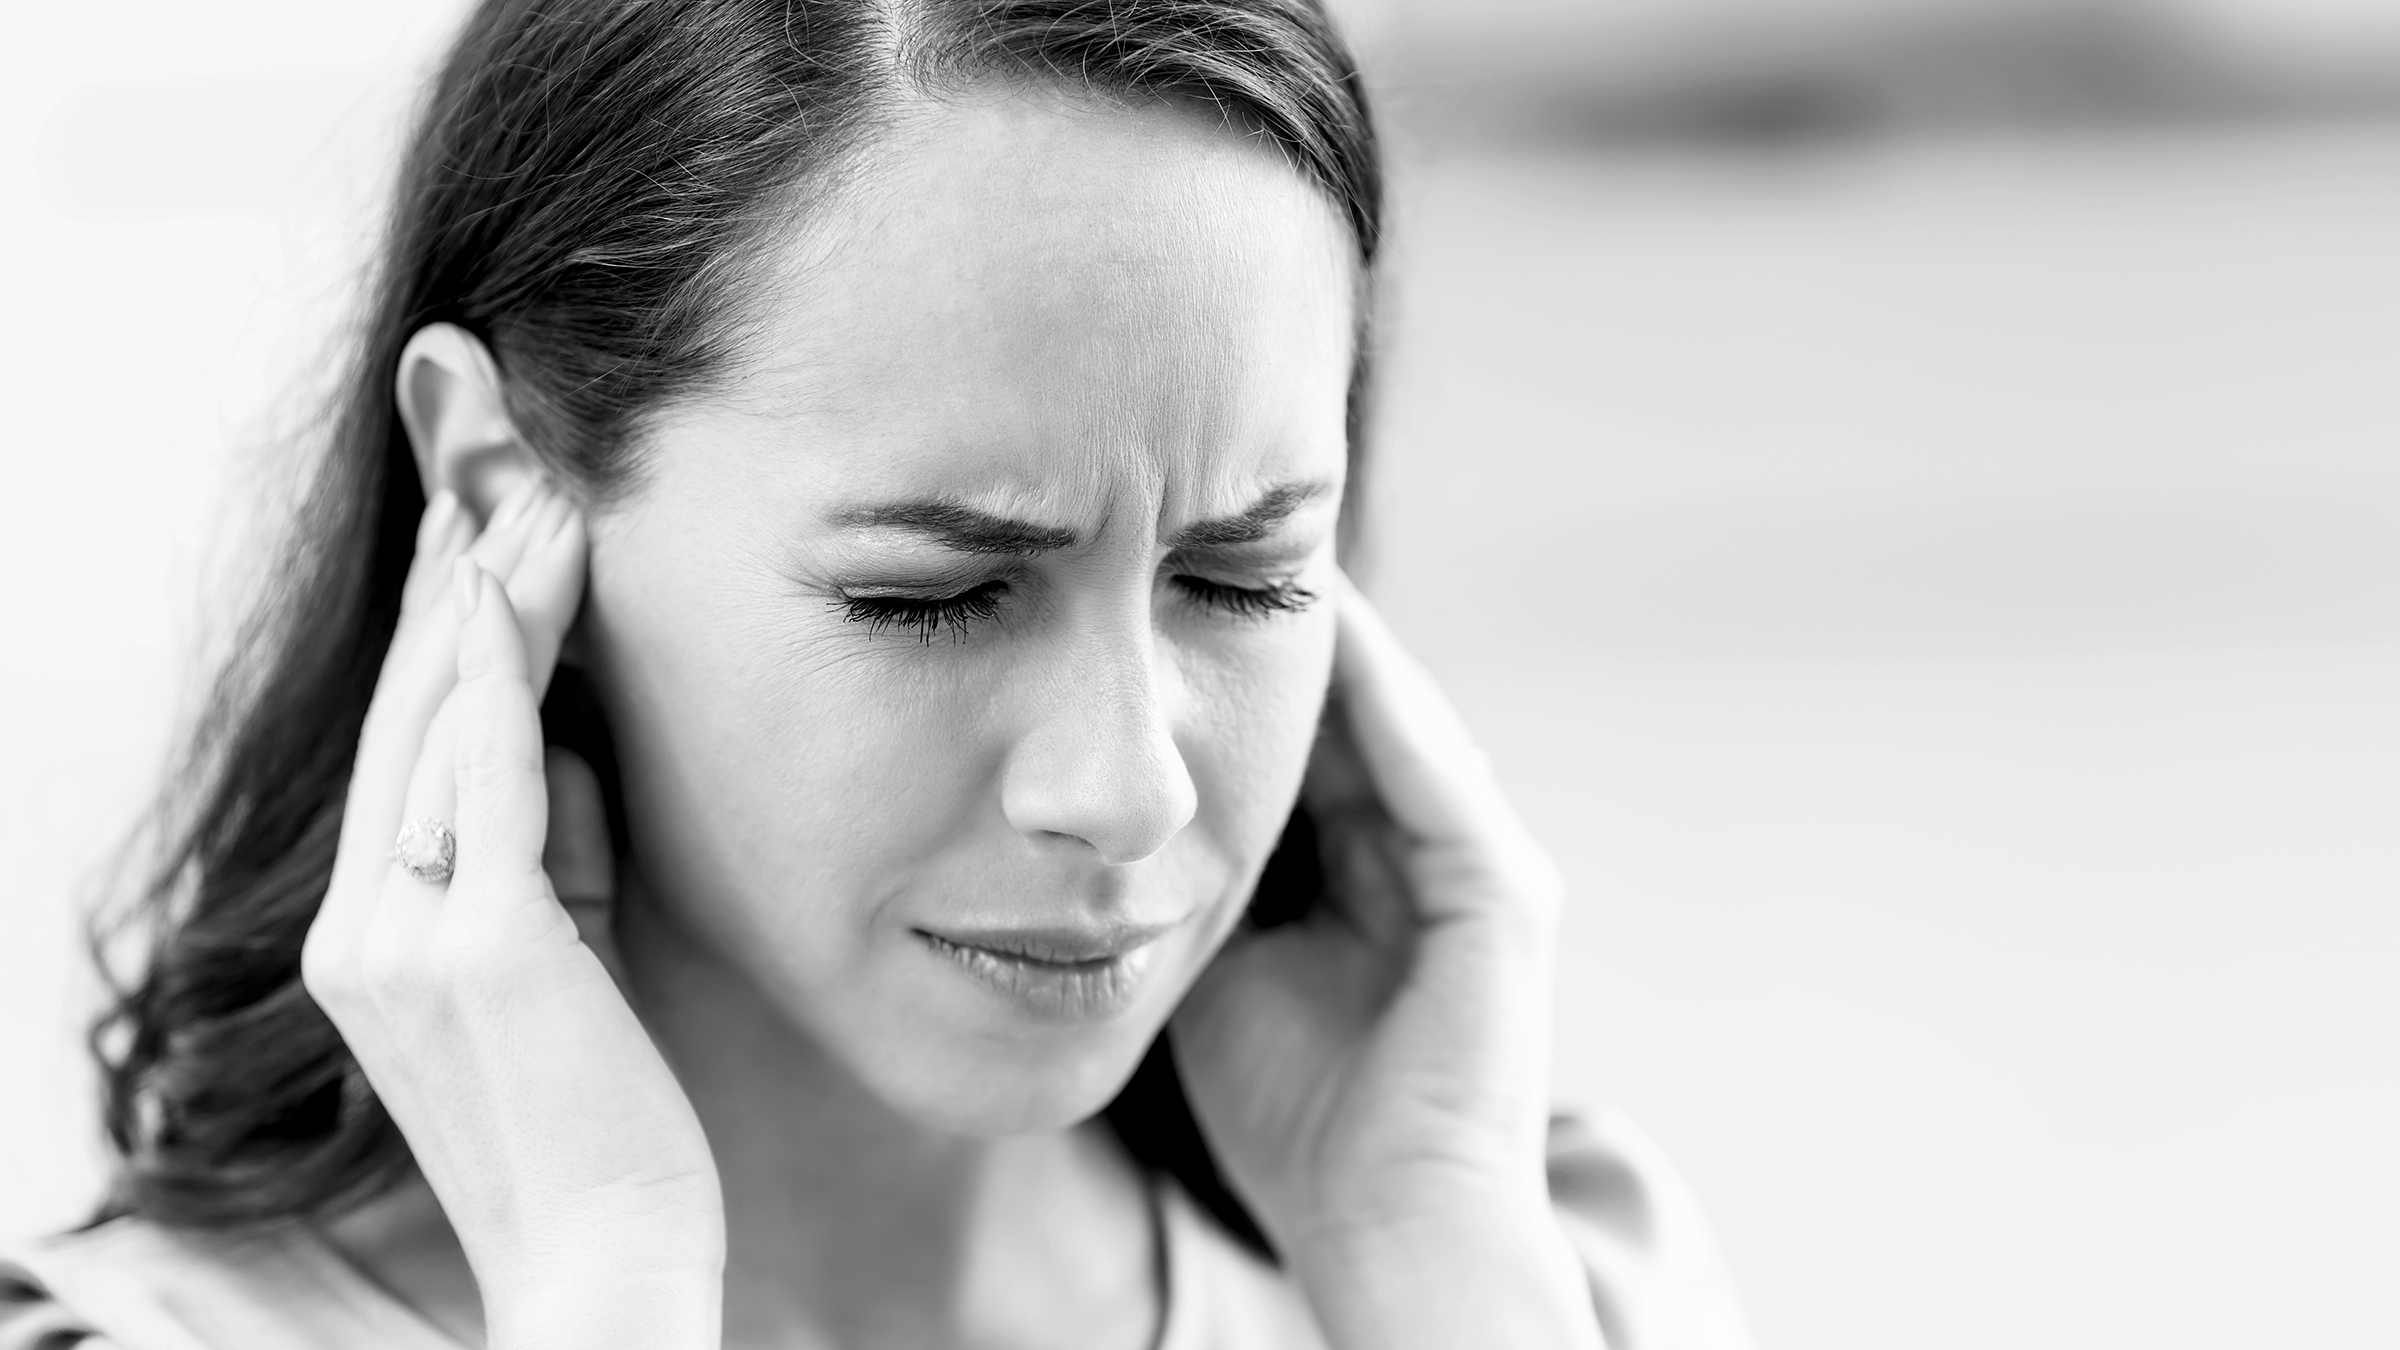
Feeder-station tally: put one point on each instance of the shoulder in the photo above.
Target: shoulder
(134, 1285)
(1657, 1277)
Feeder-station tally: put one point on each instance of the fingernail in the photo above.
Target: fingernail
(469, 575)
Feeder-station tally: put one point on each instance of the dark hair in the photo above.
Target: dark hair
(579, 193)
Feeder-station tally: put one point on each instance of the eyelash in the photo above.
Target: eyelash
(1249, 602)
(922, 619)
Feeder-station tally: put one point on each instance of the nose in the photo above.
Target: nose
(1098, 760)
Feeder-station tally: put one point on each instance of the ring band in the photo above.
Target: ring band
(426, 850)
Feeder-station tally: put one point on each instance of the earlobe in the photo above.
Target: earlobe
(448, 390)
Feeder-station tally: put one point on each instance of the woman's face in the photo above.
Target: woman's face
(965, 654)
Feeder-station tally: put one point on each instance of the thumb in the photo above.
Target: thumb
(578, 855)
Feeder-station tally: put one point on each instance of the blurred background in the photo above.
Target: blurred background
(1909, 491)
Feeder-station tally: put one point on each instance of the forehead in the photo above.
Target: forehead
(1031, 299)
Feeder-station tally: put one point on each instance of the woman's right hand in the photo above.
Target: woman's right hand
(562, 1149)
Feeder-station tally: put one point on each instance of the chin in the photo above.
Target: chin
(979, 1091)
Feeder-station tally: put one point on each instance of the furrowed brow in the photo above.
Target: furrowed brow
(1252, 523)
(961, 528)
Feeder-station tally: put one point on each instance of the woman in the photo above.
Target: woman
(907, 444)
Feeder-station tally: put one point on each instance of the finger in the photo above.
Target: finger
(547, 587)
(418, 673)
(503, 540)
(418, 670)
(442, 535)
(405, 902)
(580, 851)
(447, 531)
(1426, 766)
(502, 796)
(408, 685)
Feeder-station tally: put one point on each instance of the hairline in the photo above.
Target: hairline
(845, 174)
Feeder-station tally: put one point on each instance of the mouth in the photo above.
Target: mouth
(1060, 974)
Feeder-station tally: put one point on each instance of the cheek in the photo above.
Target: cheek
(788, 772)
(779, 789)
(1251, 718)
(799, 793)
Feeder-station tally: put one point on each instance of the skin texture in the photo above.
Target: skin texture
(758, 1103)
(1149, 329)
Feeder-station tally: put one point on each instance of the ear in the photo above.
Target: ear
(448, 389)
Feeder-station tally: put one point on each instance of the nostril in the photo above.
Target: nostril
(1123, 795)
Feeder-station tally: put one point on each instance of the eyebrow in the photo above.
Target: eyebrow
(960, 528)
(1252, 523)
(965, 529)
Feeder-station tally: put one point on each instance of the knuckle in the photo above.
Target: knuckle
(491, 749)
(424, 992)
(488, 660)
(483, 677)
(476, 667)
(327, 973)
(485, 766)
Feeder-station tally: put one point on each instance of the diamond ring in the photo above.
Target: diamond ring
(427, 850)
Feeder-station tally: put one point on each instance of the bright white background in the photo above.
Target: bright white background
(1940, 599)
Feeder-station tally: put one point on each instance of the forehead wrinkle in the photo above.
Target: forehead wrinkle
(1013, 517)
(1128, 349)
(1254, 522)
(957, 526)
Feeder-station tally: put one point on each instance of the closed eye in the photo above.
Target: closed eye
(924, 617)
(1250, 602)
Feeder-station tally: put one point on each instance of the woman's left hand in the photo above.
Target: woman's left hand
(1375, 1077)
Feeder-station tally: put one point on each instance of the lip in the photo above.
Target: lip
(1058, 974)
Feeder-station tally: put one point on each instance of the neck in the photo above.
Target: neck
(850, 1225)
